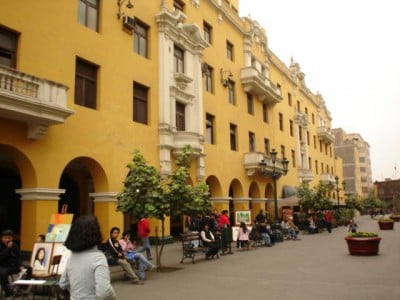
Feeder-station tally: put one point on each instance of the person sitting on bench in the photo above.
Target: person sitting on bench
(208, 241)
(10, 262)
(114, 253)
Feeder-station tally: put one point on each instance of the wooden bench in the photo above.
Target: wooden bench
(189, 249)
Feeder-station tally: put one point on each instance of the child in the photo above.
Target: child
(352, 226)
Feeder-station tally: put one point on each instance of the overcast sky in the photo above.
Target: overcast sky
(350, 53)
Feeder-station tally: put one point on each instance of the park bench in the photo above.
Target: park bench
(192, 246)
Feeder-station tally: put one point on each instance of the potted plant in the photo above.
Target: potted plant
(363, 243)
(385, 224)
(395, 218)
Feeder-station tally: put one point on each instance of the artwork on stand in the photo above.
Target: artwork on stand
(41, 257)
(58, 229)
(243, 216)
(60, 249)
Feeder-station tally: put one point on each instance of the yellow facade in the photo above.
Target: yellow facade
(90, 148)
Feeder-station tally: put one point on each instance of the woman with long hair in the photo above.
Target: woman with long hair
(39, 262)
(243, 236)
(87, 275)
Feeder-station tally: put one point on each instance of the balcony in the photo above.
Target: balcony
(301, 119)
(252, 160)
(183, 138)
(305, 175)
(327, 178)
(260, 86)
(38, 102)
(325, 135)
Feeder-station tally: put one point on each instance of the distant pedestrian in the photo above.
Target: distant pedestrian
(328, 220)
(352, 226)
(223, 220)
(144, 232)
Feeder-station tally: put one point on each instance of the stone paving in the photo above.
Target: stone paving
(316, 267)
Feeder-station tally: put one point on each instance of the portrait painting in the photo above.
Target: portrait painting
(41, 257)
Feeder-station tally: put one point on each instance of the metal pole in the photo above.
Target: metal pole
(275, 198)
(337, 194)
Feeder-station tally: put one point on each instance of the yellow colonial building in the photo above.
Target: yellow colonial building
(84, 82)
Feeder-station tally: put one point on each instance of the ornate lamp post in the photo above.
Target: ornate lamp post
(337, 188)
(275, 174)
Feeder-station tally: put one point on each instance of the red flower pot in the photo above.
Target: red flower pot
(396, 219)
(363, 245)
(386, 225)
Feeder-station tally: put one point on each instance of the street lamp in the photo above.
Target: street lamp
(337, 188)
(275, 174)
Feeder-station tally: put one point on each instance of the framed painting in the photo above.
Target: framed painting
(243, 216)
(41, 257)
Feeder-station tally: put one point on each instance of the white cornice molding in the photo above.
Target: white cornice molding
(241, 200)
(222, 200)
(40, 194)
(259, 200)
(104, 197)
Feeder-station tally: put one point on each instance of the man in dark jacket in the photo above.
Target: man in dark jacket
(10, 262)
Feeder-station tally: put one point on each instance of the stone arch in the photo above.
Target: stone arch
(214, 186)
(235, 189)
(80, 177)
(254, 190)
(269, 191)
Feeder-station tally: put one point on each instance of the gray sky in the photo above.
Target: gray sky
(350, 53)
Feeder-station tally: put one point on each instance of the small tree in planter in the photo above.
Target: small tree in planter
(315, 199)
(147, 193)
(363, 243)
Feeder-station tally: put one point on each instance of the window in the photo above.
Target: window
(207, 28)
(320, 146)
(88, 13)
(291, 127)
(279, 88)
(326, 149)
(362, 159)
(85, 84)
(283, 153)
(252, 142)
(267, 149)
(210, 129)
(306, 111)
(8, 48)
(232, 134)
(179, 62)
(298, 106)
(327, 169)
(231, 92)
(308, 138)
(316, 166)
(209, 74)
(330, 151)
(313, 118)
(289, 96)
(140, 38)
(229, 50)
(180, 116)
(293, 159)
(281, 121)
(315, 142)
(250, 104)
(363, 169)
(265, 113)
(140, 93)
(332, 170)
(310, 163)
(322, 167)
(179, 5)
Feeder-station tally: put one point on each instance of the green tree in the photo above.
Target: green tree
(147, 193)
(314, 198)
(354, 203)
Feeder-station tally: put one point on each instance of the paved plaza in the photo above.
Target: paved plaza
(316, 267)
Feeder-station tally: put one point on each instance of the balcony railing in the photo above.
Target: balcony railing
(258, 85)
(325, 135)
(35, 101)
(305, 175)
(327, 178)
(252, 163)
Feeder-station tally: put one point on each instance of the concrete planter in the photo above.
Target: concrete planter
(386, 225)
(395, 218)
(363, 245)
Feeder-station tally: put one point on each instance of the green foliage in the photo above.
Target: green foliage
(371, 202)
(385, 220)
(354, 203)
(363, 234)
(343, 215)
(314, 198)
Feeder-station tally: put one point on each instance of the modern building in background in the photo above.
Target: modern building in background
(83, 83)
(354, 151)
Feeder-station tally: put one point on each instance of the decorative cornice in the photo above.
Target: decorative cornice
(104, 197)
(222, 200)
(241, 199)
(40, 194)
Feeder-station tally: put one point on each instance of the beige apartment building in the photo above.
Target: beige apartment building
(354, 151)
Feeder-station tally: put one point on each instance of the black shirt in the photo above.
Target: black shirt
(9, 256)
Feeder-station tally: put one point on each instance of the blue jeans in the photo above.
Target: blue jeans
(143, 265)
(266, 238)
(146, 246)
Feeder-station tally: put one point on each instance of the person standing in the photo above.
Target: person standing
(223, 220)
(143, 233)
(87, 275)
(328, 220)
